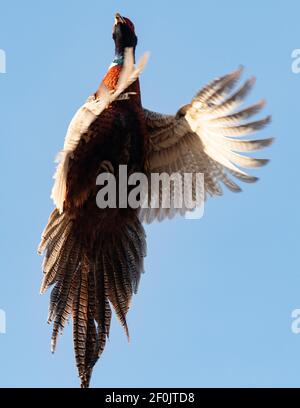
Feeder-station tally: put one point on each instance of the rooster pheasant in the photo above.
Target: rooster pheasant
(94, 257)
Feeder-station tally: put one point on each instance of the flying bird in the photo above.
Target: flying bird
(94, 256)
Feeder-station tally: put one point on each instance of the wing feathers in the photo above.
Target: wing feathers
(219, 84)
(241, 130)
(204, 138)
(236, 118)
(233, 102)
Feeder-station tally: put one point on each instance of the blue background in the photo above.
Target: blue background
(214, 307)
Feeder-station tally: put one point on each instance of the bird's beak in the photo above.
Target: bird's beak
(119, 19)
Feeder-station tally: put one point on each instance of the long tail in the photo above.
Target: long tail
(87, 281)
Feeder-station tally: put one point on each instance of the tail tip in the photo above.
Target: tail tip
(53, 345)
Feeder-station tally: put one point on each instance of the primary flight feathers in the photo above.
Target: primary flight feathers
(204, 137)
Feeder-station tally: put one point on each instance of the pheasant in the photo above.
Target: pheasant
(94, 256)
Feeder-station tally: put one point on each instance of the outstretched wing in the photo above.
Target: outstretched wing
(204, 137)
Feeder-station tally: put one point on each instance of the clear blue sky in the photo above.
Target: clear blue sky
(214, 307)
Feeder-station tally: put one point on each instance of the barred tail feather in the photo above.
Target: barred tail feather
(88, 281)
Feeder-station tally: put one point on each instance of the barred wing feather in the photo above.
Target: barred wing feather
(205, 137)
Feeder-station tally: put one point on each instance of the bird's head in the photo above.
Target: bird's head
(123, 34)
